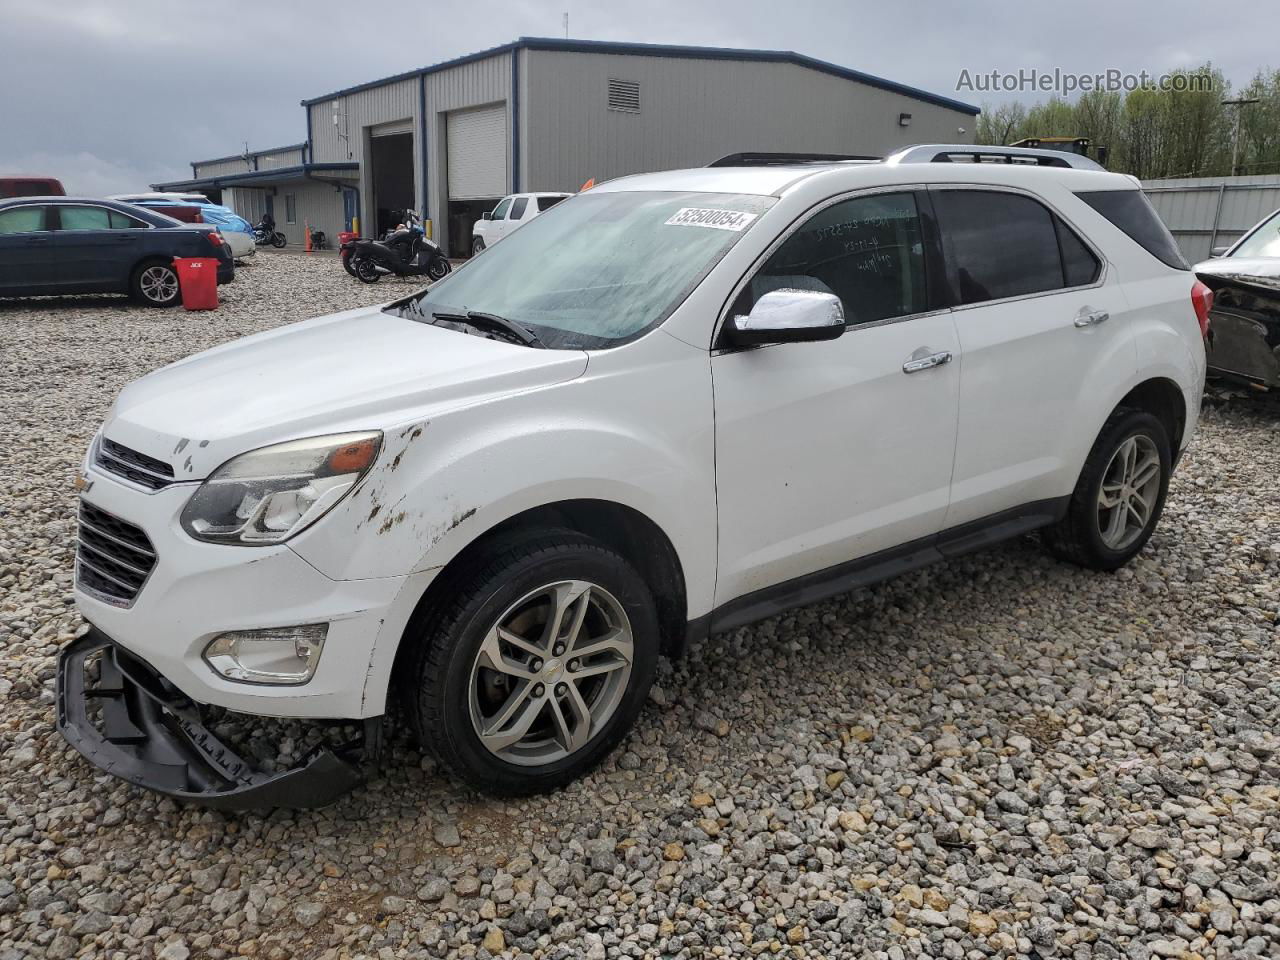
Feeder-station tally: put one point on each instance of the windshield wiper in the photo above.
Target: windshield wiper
(492, 323)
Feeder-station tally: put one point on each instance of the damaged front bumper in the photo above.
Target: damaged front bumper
(127, 719)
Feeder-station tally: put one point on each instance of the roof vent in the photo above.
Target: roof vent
(624, 95)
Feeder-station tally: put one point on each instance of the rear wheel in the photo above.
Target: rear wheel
(536, 665)
(1119, 496)
(365, 269)
(155, 283)
(477, 247)
(279, 240)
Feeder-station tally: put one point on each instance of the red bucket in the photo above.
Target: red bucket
(198, 280)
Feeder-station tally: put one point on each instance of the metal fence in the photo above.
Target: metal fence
(1207, 212)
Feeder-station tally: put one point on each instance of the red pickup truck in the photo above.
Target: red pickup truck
(30, 187)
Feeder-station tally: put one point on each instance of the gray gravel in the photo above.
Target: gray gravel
(1000, 756)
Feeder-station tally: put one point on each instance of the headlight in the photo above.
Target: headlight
(266, 496)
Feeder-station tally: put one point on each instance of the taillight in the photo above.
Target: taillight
(215, 238)
(1202, 301)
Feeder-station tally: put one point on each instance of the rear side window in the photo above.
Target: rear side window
(1131, 211)
(546, 203)
(94, 218)
(21, 220)
(1079, 265)
(998, 244)
(517, 208)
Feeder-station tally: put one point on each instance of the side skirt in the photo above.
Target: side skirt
(884, 565)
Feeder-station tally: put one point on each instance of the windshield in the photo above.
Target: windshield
(598, 269)
(1263, 242)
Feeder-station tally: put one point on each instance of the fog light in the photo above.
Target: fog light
(278, 655)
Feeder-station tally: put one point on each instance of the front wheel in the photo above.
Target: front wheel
(477, 247)
(347, 261)
(536, 663)
(1119, 496)
(438, 268)
(365, 269)
(278, 240)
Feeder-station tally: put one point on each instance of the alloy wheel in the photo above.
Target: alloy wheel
(159, 284)
(1129, 492)
(550, 673)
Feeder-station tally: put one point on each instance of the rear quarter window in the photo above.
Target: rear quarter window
(1131, 211)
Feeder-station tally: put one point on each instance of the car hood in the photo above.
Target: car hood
(359, 370)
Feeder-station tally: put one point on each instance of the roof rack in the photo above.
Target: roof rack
(969, 153)
(756, 159)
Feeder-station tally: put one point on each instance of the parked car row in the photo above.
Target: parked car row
(61, 245)
(235, 230)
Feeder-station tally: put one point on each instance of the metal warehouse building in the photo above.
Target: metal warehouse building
(451, 139)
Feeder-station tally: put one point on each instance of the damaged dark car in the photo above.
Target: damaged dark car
(1244, 339)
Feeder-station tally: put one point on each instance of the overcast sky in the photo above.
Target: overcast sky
(111, 95)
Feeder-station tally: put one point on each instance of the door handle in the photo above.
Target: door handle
(36, 240)
(1091, 318)
(924, 363)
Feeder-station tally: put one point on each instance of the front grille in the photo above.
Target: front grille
(113, 557)
(138, 467)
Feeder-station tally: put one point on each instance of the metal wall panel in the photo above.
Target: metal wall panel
(693, 111)
(280, 158)
(1204, 212)
(485, 82)
(219, 167)
(390, 104)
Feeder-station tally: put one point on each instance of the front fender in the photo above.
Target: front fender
(441, 483)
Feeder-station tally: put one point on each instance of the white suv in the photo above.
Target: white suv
(732, 391)
(511, 212)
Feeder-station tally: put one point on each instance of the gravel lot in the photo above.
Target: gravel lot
(1000, 756)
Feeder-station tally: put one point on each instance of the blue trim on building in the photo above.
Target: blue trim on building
(307, 152)
(667, 50)
(300, 172)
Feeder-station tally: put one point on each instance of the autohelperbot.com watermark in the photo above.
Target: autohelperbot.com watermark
(1064, 83)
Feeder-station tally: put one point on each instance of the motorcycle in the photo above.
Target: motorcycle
(265, 232)
(404, 252)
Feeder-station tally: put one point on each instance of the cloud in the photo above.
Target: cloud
(135, 91)
(85, 174)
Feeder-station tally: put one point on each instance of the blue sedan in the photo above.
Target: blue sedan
(60, 245)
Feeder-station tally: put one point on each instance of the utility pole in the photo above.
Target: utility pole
(1239, 103)
(566, 24)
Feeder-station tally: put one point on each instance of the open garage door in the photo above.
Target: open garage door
(391, 163)
(477, 175)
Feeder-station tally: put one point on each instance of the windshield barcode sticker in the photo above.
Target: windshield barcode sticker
(716, 219)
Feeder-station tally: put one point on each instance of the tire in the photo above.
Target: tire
(347, 264)
(279, 241)
(477, 247)
(1101, 537)
(438, 269)
(451, 692)
(365, 270)
(155, 284)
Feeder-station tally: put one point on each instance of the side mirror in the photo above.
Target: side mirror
(1219, 251)
(487, 215)
(789, 316)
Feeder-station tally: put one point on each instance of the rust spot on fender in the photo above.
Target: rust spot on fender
(374, 512)
(460, 518)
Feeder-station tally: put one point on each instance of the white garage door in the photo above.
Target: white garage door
(477, 152)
